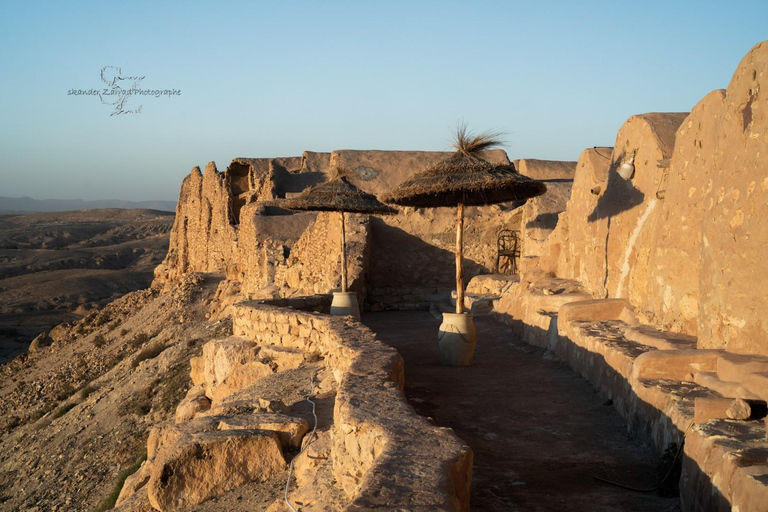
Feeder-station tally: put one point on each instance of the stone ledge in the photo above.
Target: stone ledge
(654, 387)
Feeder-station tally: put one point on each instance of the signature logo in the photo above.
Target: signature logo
(112, 76)
(120, 89)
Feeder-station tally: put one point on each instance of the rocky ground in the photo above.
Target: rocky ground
(77, 412)
(56, 267)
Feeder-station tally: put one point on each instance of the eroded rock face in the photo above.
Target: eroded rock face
(204, 464)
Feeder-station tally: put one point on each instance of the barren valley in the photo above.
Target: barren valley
(56, 267)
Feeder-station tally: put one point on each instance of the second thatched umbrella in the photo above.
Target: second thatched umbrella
(339, 195)
(463, 179)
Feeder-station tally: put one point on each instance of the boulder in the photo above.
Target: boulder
(202, 465)
(289, 430)
(42, 340)
(194, 402)
(241, 377)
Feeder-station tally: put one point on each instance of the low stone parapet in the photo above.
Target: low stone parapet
(384, 455)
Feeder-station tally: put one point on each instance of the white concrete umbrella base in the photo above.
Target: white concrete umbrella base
(345, 303)
(457, 339)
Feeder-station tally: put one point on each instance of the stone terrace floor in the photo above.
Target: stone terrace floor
(539, 432)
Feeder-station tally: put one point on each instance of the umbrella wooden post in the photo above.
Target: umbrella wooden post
(460, 259)
(344, 302)
(343, 255)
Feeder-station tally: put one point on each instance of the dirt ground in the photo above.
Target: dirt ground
(539, 432)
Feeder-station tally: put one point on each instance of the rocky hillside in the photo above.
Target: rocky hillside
(77, 413)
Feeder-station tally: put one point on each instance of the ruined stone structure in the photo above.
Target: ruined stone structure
(228, 431)
(650, 287)
(232, 224)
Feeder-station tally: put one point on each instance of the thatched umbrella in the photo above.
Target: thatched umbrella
(465, 179)
(338, 195)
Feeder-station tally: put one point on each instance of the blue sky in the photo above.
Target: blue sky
(276, 78)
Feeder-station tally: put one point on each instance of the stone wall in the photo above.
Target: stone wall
(412, 261)
(376, 434)
(733, 309)
(675, 255)
(682, 239)
(232, 224)
(314, 264)
(576, 248)
(540, 214)
(202, 235)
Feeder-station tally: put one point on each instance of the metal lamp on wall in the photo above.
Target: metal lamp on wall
(627, 169)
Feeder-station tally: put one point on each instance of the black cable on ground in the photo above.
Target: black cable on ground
(654, 489)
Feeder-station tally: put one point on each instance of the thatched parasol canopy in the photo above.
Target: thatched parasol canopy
(466, 178)
(337, 195)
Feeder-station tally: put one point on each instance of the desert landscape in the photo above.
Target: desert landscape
(58, 267)
(558, 308)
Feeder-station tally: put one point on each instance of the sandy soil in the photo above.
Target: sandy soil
(539, 432)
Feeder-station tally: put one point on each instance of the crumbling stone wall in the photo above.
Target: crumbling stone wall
(314, 264)
(202, 235)
(266, 251)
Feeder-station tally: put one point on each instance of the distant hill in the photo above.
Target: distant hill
(27, 204)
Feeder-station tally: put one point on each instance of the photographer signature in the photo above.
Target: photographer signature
(121, 88)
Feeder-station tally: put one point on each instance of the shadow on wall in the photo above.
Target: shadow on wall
(290, 182)
(543, 221)
(405, 268)
(620, 195)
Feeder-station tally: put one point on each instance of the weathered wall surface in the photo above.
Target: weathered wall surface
(674, 282)
(540, 214)
(576, 248)
(412, 261)
(733, 310)
(605, 237)
(202, 235)
(631, 206)
(314, 264)
(683, 239)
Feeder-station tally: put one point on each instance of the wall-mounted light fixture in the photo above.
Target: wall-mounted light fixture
(627, 169)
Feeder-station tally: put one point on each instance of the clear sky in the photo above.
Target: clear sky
(275, 78)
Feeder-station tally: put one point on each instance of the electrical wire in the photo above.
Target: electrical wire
(671, 468)
(311, 438)
(598, 153)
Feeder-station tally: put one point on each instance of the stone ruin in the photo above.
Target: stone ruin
(649, 287)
